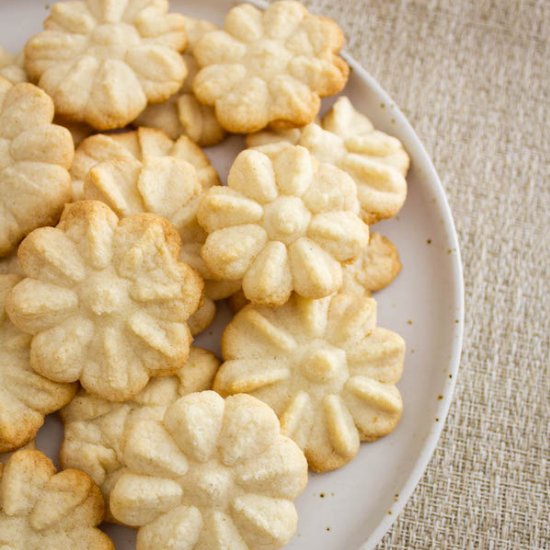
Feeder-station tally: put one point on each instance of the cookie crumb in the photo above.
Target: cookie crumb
(428, 241)
(439, 397)
(327, 529)
(437, 419)
(409, 322)
(322, 495)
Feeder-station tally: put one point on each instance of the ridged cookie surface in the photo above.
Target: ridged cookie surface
(95, 429)
(213, 473)
(105, 300)
(269, 67)
(324, 367)
(102, 61)
(284, 223)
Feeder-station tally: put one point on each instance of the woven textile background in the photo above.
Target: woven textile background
(473, 77)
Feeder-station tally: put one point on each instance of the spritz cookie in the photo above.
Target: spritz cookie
(35, 156)
(182, 114)
(284, 223)
(44, 510)
(103, 61)
(213, 473)
(105, 299)
(12, 67)
(346, 138)
(145, 171)
(95, 428)
(25, 396)
(269, 67)
(324, 367)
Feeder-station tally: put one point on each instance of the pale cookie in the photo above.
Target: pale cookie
(269, 68)
(25, 396)
(106, 300)
(374, 269)
(102, 61)
(182, 114)
(346, 138)
(44, 510)
(35, 156)
(285, 222)
(213, 473)
(94, 428)
(12, 67)
(324, 367)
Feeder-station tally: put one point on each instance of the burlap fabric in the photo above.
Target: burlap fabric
(473, 77)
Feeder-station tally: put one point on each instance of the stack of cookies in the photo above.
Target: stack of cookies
(113, 257)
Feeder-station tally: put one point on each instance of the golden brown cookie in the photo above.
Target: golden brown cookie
(105, 299)
(103, 61)
(324, 367)
(41, 509)
(35, 156)
(269, 68)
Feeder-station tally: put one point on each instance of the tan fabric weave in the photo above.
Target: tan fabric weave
(473, 77)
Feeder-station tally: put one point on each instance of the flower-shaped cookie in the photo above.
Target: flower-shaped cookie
(94, 428)
(346, 138)
(285, 222)
(25, 396)
(324, 367)
(34, 158)
(374, 269)
(269, 67)
(44, 510)
(11, 67)
(103, 61)
(145, 171)
(182, 113)
(211, 474)
(106, 300)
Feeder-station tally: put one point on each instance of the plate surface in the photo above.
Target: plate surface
(354, 506)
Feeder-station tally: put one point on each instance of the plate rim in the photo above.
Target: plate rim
(436, 186)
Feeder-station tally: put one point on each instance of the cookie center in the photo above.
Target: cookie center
(267, 57)
(210, 484)
(105, 294)
(286, 219)
(112, 41)
(325, 365)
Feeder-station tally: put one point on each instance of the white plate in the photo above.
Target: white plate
(354, 506)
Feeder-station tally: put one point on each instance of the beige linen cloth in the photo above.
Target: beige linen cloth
(473, 78)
